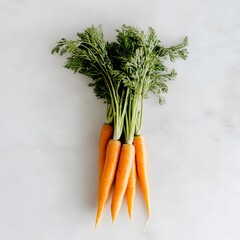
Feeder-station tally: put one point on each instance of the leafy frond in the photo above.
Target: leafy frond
(175, 52)
(125, 70)
(88, 56)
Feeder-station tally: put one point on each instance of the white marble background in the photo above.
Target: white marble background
(50, 121)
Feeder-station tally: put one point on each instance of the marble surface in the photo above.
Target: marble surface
(50, 121)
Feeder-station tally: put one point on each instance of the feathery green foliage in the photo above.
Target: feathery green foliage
(88, 55)
(141, 57)
(123, 72)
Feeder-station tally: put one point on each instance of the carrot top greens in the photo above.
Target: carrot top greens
(89, 56)
(124, 72)
(141, 57)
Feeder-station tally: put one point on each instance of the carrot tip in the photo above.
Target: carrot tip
(149, 211)
(97, 222)
(96, 225)
(130, 216)
(113, 219)
(145, 226)
(131, 220)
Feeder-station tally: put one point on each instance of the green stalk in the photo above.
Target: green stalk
(131, 118)
(119, 118)
(139, 122)
(109, 113)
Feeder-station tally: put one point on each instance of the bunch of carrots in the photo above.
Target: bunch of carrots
(123, 74)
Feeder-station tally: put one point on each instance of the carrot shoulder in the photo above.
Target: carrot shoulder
(131, 189)
(108, 173)
(122, 175)
(105, 136)
(141, 161)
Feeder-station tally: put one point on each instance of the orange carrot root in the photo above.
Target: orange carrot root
(108, 173)
(122, 175)
(105, 136)
(141, 161)
(131, 189)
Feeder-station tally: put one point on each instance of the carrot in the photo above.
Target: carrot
(105, 136)
(141, 161)
(122, 175)
(123, 74)
(108, 173)
(131, 189)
